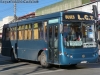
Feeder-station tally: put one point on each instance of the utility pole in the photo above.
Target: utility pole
(97, 4)
(15, 17)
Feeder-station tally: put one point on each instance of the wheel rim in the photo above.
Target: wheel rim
(43, 60)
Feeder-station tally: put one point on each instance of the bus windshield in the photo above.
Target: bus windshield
(79, 34)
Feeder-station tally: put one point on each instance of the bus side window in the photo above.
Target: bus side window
(56, 31)
(45, 30)
(40, 28)
(26, 32)
(10, 33)
(20, 36)
(22, 32)
(50, 32)
(35, 31)
(56, 37)
(7, 33)
(30, 32)
(4, 34)
(50, 36)
(15, 33)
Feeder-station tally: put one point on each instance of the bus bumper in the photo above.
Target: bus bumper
(70, 61)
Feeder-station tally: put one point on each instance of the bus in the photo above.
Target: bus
(61, 38)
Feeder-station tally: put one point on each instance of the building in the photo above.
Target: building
(59, 6)
(30, 15)
(79, 5)
(9, 19)
(5, 20)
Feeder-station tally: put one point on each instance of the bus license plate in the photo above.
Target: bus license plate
(83, 61)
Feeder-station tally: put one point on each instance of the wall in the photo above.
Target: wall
(5, 21)
(60, 6)
(87, 8)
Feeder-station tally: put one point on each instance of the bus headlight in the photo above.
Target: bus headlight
(67, 55)
(94, 54)
(71, 56)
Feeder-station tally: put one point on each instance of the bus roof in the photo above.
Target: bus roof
(38, 18)
(44, 17)
(76, 12)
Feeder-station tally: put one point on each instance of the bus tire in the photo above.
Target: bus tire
(73, 65)
(39, 57)
(43, 60)
(13, 59)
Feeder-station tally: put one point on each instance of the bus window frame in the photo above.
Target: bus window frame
(7, 38)
(14, 30)
(45, 30)
(81, 31)
(18, 32)
(41, 22)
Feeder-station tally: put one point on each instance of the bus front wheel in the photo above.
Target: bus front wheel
(13, 59)
(73, 65)
(43, 60)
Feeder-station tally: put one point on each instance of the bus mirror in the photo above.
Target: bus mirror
(61, 28)
(98, 25)
(95, 12)
(98, 42)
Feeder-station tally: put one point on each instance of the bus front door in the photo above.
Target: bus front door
(53, 43)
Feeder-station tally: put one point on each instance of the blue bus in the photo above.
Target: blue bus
(61, 38)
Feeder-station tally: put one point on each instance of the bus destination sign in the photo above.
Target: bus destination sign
(77, 16)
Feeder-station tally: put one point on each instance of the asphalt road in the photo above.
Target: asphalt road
(32, 68)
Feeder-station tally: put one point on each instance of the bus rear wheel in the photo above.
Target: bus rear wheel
(73, 65)
(43, 60)
(13, 59)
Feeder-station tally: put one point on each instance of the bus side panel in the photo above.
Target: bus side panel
(6, 47)
(77, 56)
(6, 43)
(28, 49)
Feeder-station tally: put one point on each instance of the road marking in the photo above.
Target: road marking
(30, 68)
(15, 69)
(45, 72)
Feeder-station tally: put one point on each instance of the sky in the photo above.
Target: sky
(7, 9)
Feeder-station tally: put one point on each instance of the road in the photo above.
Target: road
(31, 68)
